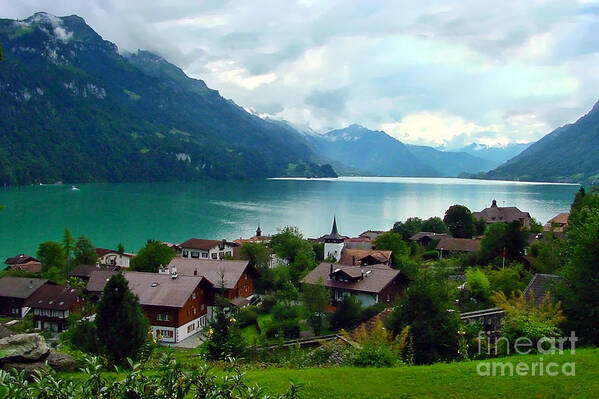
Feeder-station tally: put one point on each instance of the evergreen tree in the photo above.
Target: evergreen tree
(427, 308)
(68, 243)
(459, 221)
(85, 252)
(347, 314)
(120, 248)
(153, 255)
(316, 299)
(223, 337)
(121, 326)
(52, 255)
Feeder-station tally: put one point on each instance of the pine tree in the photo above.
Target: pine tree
(224, 338)
(68, 244)
(121, 325)
(85, 252)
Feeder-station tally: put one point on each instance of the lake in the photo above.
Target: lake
(131, 213)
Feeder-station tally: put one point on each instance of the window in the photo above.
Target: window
(221, 255)
(202, 306)
(195, 310)
(165, 333)
(162, 317)
(195, 254)
(185, 253)
(214, 255)
(204, 254)
(191, 328)
(193, 296)
(245, 276)
(15, 311)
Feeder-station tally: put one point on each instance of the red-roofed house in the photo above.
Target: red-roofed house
(52, 305)
(198, 248)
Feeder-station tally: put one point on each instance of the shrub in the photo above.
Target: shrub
(247, 316)
(288, 328)
(478, 284)
(81, 334)
(347, 314)
(430, 255)
(268, 301)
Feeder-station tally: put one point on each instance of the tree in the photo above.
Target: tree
(480, 225)
(549, 254)
(121, 326)
(478, 284)
(459, 221)
(434, 225)
(120, 248)
(502, 237)
(580, 276)
(85, 252)
(223, 337)
(257, 253)
(427, 308)
(51, 254)
(68, 243)
(508, 280)
(391, 241)
(153, 255)
(289, 242)
(408, 228)
(316, 299)
(347, 314)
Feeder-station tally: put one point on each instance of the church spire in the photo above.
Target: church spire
(334, 230)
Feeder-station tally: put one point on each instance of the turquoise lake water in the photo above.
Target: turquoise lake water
(131, 213)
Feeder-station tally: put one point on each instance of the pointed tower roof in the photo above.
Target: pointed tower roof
(334, 236)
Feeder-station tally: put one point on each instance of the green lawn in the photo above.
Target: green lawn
(456, 380)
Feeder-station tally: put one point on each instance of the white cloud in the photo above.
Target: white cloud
(429, 72)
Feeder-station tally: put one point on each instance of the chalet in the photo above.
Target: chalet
(558, 223)
(84, 271)
(369, 284)
(14, 292)
(424, 238)
(52, 305)
(197, 248)
(258, 238)
(362, 257)
(449, 245)
(503, 214)
(235, 277)
(176, 306)
(109, 257)
(24, 263)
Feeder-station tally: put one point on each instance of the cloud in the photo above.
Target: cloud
(430, 72)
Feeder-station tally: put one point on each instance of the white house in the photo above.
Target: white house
(207, 249)
(109, 257)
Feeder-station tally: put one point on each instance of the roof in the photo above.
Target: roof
(240, 241)
(481, 313)
(98, 279)
(213, 270)
(501, 214)
(205, 245)
(433, 236)
(560, 220)
(31, 266)
(84, 271)
(20, 287)
(539, 286)
(458, 244)
(376, 277)
(155, 289)
(55, 297)
(334, 233)
(357, 239)
(105, 251)
(19, 259)
(354, 256)
(372, 234)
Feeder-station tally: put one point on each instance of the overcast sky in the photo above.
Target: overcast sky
(429, 72)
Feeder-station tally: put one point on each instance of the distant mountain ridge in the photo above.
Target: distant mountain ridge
(498, 154)
(75, 110)
(380, 154)
(567, 154)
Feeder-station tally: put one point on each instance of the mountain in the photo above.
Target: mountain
(567, 154)
(75, 110)
(378, 153)
(374, 152)
(450, 163)
(496, 154)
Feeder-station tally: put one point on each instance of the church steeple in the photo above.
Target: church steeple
(334, 236)
(258, 231)
(334, 230)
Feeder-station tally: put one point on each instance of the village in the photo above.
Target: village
(178, 299)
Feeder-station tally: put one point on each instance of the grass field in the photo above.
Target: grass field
(455, 380)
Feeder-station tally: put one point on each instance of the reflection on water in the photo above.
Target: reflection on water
(131, 213)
